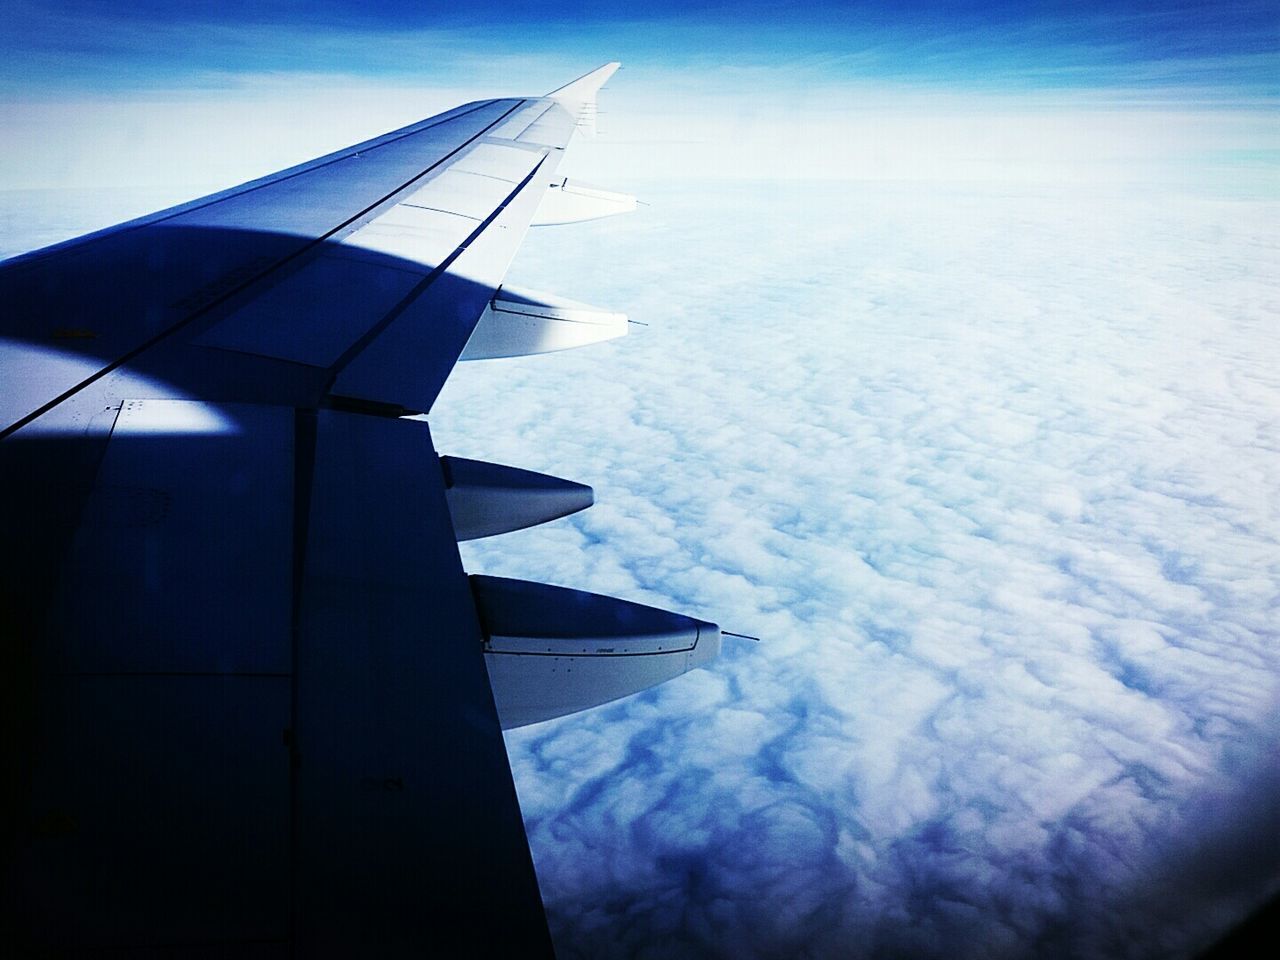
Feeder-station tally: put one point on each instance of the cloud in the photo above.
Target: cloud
(991, 470)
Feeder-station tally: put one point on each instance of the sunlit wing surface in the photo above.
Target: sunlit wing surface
(246, 699)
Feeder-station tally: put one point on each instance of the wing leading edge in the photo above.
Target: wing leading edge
(247, 696)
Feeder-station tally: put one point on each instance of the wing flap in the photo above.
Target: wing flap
(264, 704)
(408, 822)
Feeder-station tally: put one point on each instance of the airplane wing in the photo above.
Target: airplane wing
(248, 698)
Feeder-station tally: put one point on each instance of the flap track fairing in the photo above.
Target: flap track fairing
(486, 499)
(553, 651)
(572, 201)
(521, 323)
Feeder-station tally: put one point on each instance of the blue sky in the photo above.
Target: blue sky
(1226, 51)
(198, 96)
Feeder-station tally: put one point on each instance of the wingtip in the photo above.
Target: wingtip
(579, 96)
(586, 86)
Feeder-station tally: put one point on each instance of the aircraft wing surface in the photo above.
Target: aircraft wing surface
(358, 275)
(246, 704)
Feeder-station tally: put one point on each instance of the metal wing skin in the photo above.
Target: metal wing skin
(245, 706)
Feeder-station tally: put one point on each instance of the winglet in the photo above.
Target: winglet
(579, 97)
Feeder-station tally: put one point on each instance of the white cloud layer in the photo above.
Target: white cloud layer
(994, 472)
(669, 124)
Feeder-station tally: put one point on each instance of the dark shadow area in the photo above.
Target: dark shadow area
(1257, 936)
(244, 698)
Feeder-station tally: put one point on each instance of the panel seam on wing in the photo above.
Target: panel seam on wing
(378, 328)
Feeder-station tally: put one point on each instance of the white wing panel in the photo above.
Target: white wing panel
(553, 128)
(414, 233)
(467, 194)
(508, 163)
(520, 121)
